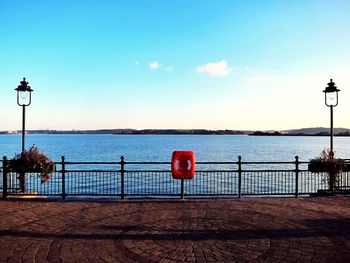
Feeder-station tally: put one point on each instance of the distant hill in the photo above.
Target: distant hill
(144, 131)
(321, 131)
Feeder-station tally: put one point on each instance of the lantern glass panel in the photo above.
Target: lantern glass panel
(23, 98)
(23, 94)
(331, 98)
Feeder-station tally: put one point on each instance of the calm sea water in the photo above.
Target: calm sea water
(160, 147)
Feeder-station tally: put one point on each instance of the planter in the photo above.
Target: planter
(21, 166)
(346, 167)
(322, 167)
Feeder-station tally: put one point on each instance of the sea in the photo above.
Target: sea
(159, 148)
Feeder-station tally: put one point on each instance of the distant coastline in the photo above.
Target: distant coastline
(137, 132)
(320, 131)
(259, 133)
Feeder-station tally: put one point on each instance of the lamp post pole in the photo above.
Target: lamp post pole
(23, 127)
(331, 142)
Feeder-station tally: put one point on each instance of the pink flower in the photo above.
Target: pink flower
(45, 178)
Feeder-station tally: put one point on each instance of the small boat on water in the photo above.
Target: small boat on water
(12, 132)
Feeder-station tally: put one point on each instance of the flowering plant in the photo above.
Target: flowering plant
(33, 160)
(326, 162)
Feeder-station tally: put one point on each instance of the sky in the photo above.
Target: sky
(242, 65)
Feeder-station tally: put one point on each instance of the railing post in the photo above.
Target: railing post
(239, 176)
(63, 165)
(122, 163)
(182, 194)
(297, 176)
(4, 177)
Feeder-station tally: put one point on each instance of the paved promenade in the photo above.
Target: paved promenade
(214, 230)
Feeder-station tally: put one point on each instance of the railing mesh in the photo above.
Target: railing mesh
(212, 183)
(92, 183)
(268, 183)
(144, 183)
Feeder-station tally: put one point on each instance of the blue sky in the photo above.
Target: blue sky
(174, 64)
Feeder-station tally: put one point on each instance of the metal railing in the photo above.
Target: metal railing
(153, 179)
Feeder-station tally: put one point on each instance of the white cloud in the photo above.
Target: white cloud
(154, 65)
(137, 63)
(218, 69)
(261, 78)
(168, 69)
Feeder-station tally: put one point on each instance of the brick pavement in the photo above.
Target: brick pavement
(211, 230)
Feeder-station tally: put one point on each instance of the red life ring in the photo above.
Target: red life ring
(183, 165)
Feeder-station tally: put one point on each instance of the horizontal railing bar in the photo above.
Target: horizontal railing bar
(217, 171)
(84, 163)
(32, 194)
(216, 162)
(132, 163)
(79, 171)
(266, 194)
(212, 171)
(165, 194)
(169, 171)
(268, 162)
(148, 171)
(148, 195)
(186, 194)
(267, 170)
(201, 195)
(91, 171)
(116, 195)
(169, 163)
(225, 162)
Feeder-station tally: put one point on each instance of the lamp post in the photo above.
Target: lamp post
(331, 100)
(24, 98)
